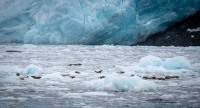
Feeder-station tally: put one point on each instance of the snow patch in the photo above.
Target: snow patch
(193, 30)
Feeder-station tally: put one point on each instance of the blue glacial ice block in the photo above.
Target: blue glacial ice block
(150, 61)
(178, 62)
(32, 70)
(121, 83)
(88, 21)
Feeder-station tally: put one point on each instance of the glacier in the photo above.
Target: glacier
(88, 22)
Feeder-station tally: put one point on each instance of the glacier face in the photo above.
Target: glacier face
(88, 21)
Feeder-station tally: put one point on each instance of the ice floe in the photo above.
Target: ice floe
(32, 70)
(179, 62)
(150, 61)
(121, 83)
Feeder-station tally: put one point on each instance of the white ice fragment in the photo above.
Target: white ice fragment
(97, 94)
(150, 61)
(167, 96)
(54, 77)
(193, 30)
(121, 83)
(118, 68)
(12, 98)
(173, 84)
(11, 80)
(178, 62)
(32, 70)
(100, 93)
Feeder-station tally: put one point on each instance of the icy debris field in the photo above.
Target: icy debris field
(99, 76)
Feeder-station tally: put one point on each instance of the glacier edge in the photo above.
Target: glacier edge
(121, 22)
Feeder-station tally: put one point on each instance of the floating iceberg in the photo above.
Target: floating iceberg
(121, 83)
(55, 77)
(32, 70)
(88, 21)
(178, 62)
(150, 61)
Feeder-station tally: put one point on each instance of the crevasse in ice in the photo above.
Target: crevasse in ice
(88, 21)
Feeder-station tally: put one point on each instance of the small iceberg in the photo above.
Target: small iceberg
(150, 61)
(179, 62)
(32, 70)
(121, 83)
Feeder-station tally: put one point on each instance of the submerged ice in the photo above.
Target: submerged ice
(88, 21)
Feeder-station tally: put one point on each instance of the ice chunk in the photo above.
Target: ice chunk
(194, 30)
(53, 76)
(150, 61)
(118, 68)
(90, 94)
(32, 70)
(10, 80)
(179, 62)
(168, 96)
(121, 83)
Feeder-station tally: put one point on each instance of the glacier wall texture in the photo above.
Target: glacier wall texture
(88, 21)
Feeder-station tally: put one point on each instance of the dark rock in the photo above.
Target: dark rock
(77, 72)
(169, 77)
(99, 71)
(155, 100)
(122, 72)
(101, 77)
(178, 34)
(160, 79)
(146, 77)
(36, 77)
(13, 51)
(17, 74)
(78, 64)
(132, 75)
(21, 78)
(72, 77)
(65, 75)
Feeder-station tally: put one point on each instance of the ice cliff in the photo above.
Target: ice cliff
(88, 21)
